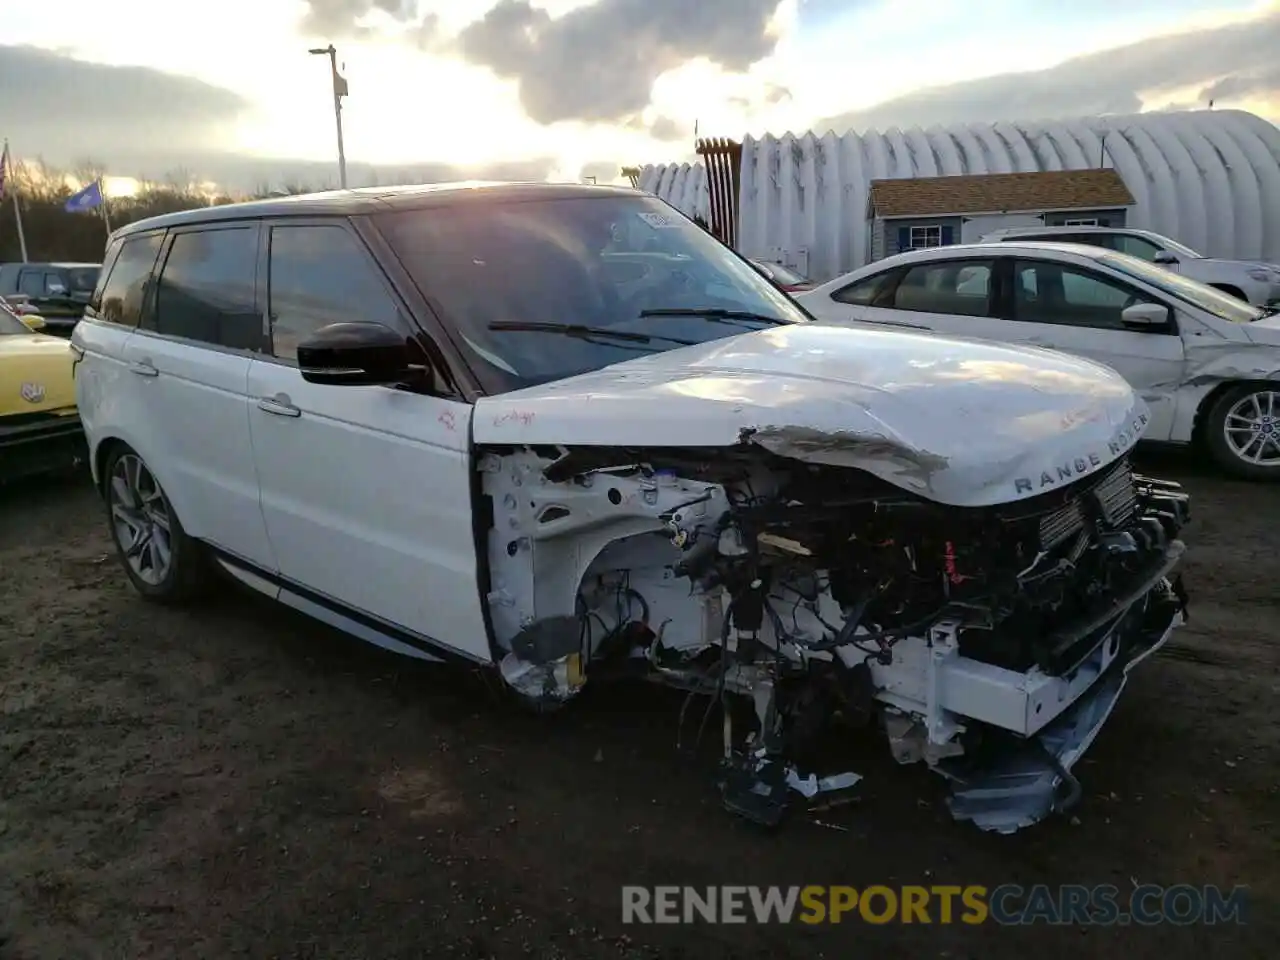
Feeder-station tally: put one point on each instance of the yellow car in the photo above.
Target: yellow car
(40, 428)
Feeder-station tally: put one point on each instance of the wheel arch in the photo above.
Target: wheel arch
(1230, 288)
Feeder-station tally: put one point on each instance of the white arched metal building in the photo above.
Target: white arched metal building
(1207, 178)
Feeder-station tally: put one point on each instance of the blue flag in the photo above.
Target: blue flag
(87, 199)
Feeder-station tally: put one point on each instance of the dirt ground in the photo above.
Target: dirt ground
(238, 781)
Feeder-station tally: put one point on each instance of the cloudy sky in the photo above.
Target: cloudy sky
(568, 88)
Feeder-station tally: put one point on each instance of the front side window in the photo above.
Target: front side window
(957, 287)
(206, 286)
(1139, 247)
(1221, 305)
(321, 274)
(631, 274)
(124, 293)
(1045, 292)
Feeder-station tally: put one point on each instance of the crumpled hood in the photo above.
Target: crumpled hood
(962, 422)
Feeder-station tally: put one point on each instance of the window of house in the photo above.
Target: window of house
(1046, 292)
(924, 237)
(958, 287)
(206, 288)
(1083, 222)
(320, 274)
(124, 292)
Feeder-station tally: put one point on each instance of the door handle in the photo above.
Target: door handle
(279, 405)
(143, 368)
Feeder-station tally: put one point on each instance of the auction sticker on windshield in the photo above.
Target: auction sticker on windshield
(658, 221)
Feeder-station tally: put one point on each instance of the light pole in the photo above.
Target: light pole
(339, 91)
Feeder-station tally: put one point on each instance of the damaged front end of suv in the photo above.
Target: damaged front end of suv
(978, 601)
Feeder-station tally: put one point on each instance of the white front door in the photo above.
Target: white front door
(367, 491)
(1078, 311)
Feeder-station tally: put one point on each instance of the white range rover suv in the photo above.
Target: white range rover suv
(1255, 282)
(564, 433)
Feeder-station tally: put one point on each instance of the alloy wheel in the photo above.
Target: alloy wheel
(1252, 428)
(140, 515)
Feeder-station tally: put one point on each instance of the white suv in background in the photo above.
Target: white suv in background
(563, 433)
(1254, 282)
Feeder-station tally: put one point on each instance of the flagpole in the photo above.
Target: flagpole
(17, 209)
(102, 191)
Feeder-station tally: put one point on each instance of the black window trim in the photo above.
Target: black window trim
(108, 268)
(1008, 304)
(147, 321)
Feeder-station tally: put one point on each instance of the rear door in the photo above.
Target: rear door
(106, 393)
(189, 363)
(367, 490)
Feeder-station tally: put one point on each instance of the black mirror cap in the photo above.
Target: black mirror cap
(356, 353)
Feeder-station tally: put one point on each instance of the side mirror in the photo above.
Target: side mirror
(356, 354)
(1165, 258)
(1146, 316)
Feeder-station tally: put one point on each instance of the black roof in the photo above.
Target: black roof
(365, 200)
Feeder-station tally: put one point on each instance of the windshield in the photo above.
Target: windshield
(617, 264)
(1173, 246)
(1221, 305)
(9, 322)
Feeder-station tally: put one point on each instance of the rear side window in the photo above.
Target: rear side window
(206, 288)
(321, 274)
(956, 287)
(124, 292)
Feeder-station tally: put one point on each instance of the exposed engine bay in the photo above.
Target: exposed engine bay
(988, 643)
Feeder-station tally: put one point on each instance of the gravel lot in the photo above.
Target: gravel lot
(238, 781)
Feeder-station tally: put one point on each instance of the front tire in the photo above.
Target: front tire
(162, 562)
(1242, 429)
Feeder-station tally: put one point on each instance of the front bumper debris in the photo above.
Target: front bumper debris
(1034, 780)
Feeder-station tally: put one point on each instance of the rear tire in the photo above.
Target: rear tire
(1242, 431)
(163, 563)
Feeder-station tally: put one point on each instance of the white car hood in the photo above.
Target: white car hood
(962, 422)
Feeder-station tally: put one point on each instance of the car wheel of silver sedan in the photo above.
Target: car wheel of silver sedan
(1243, 431)
(162, 561)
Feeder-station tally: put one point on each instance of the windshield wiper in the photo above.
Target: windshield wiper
(715, 313)
(585, 332)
